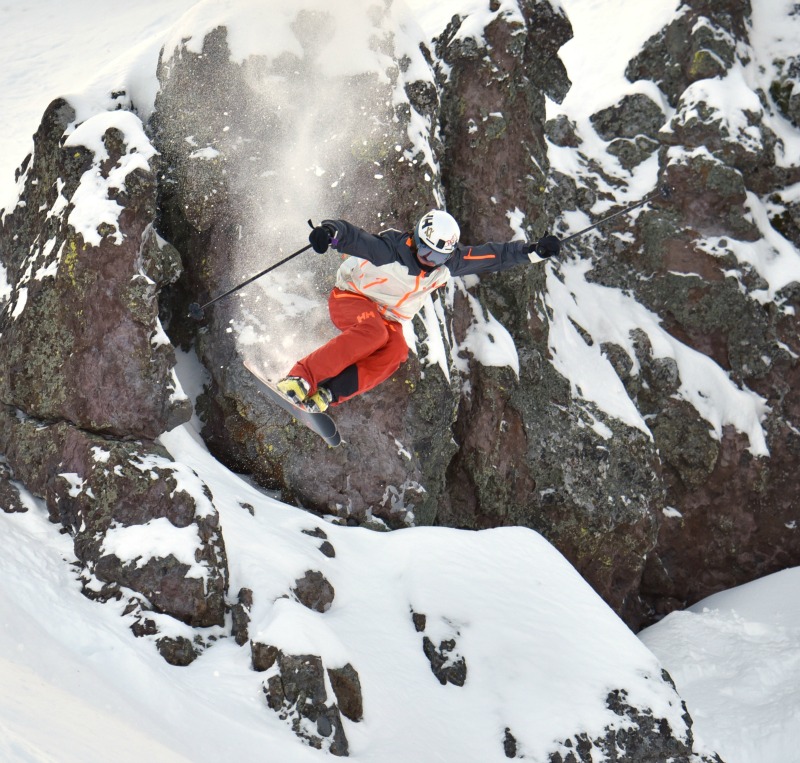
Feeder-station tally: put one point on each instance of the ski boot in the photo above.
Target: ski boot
(319, 401)
(295, 388)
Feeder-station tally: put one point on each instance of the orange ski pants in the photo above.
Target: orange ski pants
(368, 351)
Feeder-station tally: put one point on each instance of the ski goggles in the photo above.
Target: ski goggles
(430, 256)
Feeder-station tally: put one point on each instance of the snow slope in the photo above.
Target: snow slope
(516, 608)
(735, 658)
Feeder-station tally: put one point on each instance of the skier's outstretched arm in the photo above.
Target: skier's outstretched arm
(349, 239)
(492, 257)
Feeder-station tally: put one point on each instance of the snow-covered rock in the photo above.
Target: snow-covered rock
(80, 337)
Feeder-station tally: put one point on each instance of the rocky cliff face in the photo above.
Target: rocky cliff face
(528, 454)
(695, 263)
(86, 378)
(218, 208)
(656, 510)
(654, 516)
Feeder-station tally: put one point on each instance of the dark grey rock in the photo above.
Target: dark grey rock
(263, 656)
(698, 44)
(447, 668)
(631, 153)
(639, 738)
(509, 744)
(785, 90)
(240, 616)
(314, 591)
(347, 688)
(296, 692)
(177, 651)
(446, 663)
(95, 486)
(9, 494)
(635, 115)
(562, 132)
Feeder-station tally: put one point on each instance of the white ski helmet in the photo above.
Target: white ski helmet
(437, 230)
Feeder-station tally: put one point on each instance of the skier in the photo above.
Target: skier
(384, 281)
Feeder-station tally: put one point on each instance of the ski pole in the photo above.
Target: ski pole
(664, 192)
(196, 310)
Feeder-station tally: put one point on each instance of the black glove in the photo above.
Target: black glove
(320, 237)
(546, 246)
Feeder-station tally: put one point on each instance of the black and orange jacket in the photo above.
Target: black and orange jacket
(385, 269)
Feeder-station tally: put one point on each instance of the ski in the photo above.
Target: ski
(319, 423)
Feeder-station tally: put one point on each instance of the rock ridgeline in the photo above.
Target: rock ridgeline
(653, 524)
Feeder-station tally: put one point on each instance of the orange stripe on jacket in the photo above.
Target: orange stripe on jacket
(470, 256)
(409, 293)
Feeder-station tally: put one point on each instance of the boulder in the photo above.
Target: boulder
(297, 692)
(85, 268)
(139, 521)
(785, 89)
(9, 494)
(700, 43)
(314, 591)
(634, 115)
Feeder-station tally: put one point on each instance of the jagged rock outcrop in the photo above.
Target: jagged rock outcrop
(453, 442)
(237, 147)
(122, 501)
(299, 690)
(622, 508)
(86, 374)
(85, 268)
(640, 740)
(509, 447)
(700, 43)
(447, 664)
(631, 129)
(683, 266)
(493, 103)
(527, 454)
(9, 494)
(240, 616)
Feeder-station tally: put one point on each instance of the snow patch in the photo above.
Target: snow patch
(93, 205)
(21, 302)
(157, 539)
(75, 482)
(608, 315)
(773, 257)
(486, 340)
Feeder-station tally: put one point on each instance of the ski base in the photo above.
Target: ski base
(319, 423)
